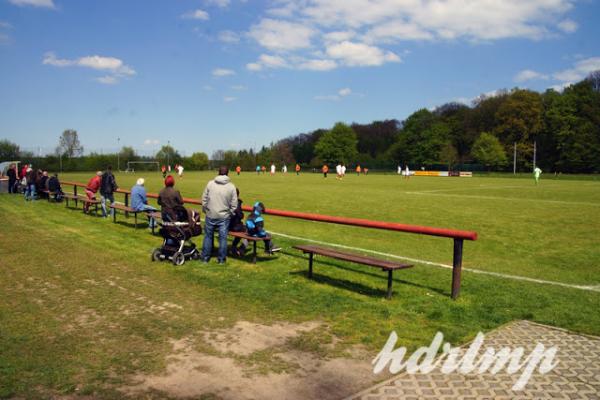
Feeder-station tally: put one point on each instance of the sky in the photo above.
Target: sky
(203, 75)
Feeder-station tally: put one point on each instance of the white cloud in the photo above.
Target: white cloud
(239, 87)
(567, 26)
(318, 65)
(5, 25)
(34, 3)
(151, 142)
(229, 37)
(345, 92)
(528, 75)
(220, 72)
(338, 36)
(208, 88)
(229, 99)
(360, 54)
(278, 35)
(253, 67)
(114, 66)
(560, 87)
(196, 14)
(218, 3)
(579, 71)
(107, 80)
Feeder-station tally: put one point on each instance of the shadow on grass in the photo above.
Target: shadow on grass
(382, 276)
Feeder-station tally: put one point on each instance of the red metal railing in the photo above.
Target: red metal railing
(457, 235)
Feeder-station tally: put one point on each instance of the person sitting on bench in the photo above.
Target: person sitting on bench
(54, 188)
(139, 201)
(168, 199)
(236, 224)
(92, 188)
(255, 225)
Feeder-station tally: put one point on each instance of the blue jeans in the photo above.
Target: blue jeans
(151, 221)
(210, 225)
(109, 197)
(30, 192)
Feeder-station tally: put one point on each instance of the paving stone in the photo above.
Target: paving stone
(576, 376)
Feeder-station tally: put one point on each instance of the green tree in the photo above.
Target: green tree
(196, 162)
(127, 153)
(488, 151)
(338, 144)
(69, 145)
(448, 155)
(9, 151)
(168, 155)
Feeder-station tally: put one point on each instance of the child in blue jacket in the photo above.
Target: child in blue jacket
(255, 226)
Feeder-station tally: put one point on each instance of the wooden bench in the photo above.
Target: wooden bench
(127, 210)
(385, 265)
(253, 239)
(48, 194)
(83, 199)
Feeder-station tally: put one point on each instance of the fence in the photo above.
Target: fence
(458, 236)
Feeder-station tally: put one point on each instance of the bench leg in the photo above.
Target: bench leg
(114, 215)
(135, 220)
(456, 267)
(310, 264)
(389, 288)
(254, 252)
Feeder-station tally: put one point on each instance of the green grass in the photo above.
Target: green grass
(82, 307)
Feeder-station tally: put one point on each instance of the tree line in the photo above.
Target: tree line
(561, 130)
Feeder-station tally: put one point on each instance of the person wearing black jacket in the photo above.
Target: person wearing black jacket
(54, 187)
(108, 185)
(12, 178)
(236, 224)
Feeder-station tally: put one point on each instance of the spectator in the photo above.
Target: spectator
(42, 183)
(236, 224)
(219, 202)
(92, 188)
(255, 226)
(297, 169)
(168, 199)
(108, 185)
(30, 176)
(139, 201)
(54, 187)
(12, 178)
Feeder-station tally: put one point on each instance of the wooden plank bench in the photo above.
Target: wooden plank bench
(385, 265)
(83, 199)
(127, 210)
(253, 239)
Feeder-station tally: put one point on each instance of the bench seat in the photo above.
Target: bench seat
(253, 239)
(385, 265)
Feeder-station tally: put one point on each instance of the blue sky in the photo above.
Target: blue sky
(230, 74)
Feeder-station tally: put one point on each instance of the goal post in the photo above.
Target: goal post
(145, 165)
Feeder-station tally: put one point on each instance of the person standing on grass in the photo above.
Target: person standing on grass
(12, 178)
(297, 169)
(92, 188)
(238, 169)
(272, 169)
(325, 170)
(180, 170)
(219, 202)
(536, 174)
(108, 185)
(168, 199)
(139, 201)
(407, 172)
(30, 176)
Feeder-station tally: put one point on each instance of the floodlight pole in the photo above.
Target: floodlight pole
(515, 159)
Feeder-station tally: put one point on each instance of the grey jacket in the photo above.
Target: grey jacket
(219, 199)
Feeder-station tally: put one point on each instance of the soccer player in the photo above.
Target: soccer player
(536, 174)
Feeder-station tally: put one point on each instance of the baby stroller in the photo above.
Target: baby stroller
(176, 234)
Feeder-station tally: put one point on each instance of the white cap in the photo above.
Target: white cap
(141, 181)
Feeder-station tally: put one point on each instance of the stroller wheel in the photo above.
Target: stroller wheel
(178, 258)
(156, 255)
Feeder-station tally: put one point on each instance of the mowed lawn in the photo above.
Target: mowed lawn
(82, 307)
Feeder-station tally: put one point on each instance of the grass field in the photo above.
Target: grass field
(76, 288)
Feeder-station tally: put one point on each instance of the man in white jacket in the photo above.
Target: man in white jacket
(219, 202)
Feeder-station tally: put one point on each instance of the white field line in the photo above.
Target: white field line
(470, 188)
(595, 288)
(504, 198)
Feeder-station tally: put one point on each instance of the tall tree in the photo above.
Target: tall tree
(127, 153)
(9, 151)
(337, 145)
(197, 161)
(168, 155)
(488, 151)
(69, 145)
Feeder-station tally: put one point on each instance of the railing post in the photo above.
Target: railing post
(456, 267)
(126, 204)
(75, 194)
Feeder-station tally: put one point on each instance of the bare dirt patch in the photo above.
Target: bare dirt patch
(230, 374)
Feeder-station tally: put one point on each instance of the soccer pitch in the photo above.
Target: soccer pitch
(76, 287)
